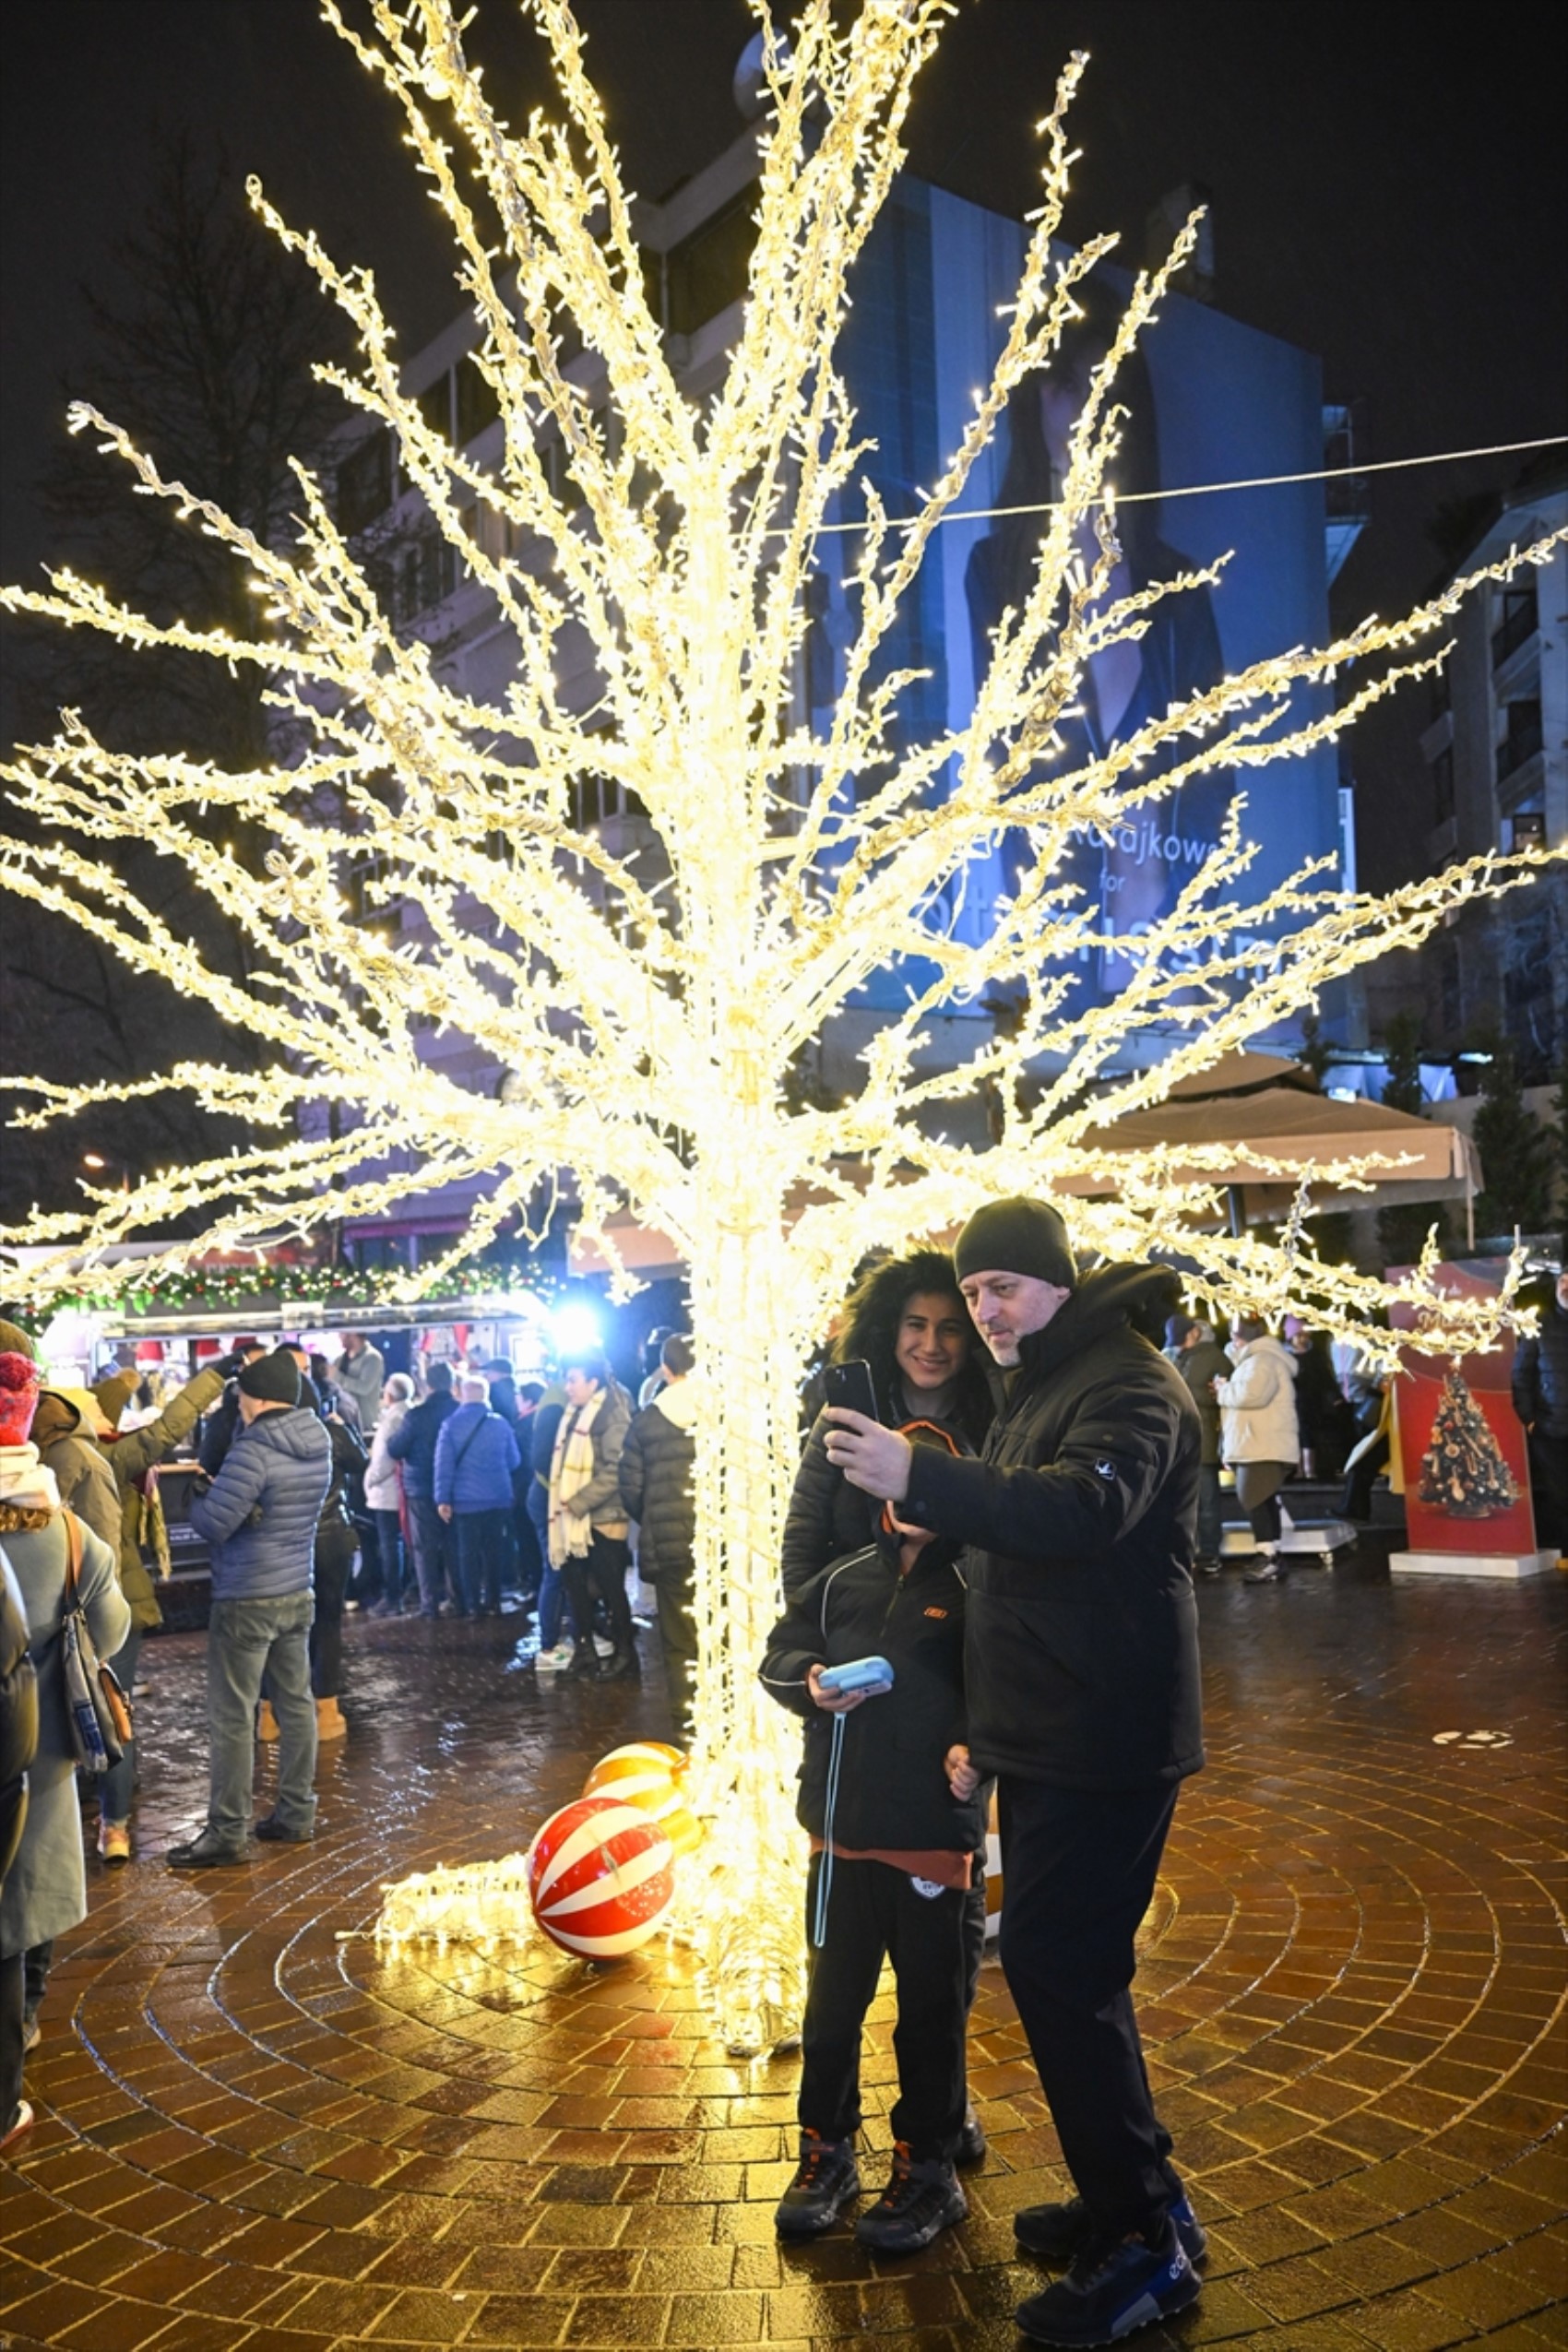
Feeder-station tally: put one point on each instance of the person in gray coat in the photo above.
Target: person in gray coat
(362, 1370)
(45, 1891)
(259, 1515)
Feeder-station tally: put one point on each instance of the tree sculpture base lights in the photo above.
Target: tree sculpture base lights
(649, 1007)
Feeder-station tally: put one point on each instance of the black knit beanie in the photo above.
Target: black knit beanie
(1016, 1237)
(274, 1379)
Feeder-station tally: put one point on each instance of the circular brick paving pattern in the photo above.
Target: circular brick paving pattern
(255, 2129)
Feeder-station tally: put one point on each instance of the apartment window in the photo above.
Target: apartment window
(1443, 785)
(435, 404)
(1522, 739)
(477, 403)
(425, 574)
(1516, 621)
(364, 484)
(709, 270)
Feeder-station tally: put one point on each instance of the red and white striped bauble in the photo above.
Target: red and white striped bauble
(600, 1878)
(648, 1773)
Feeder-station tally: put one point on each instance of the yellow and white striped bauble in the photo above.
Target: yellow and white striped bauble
(647, 1774)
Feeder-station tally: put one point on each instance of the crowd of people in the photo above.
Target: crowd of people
(993, 1548)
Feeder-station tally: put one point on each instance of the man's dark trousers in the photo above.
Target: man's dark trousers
(1079, 1869)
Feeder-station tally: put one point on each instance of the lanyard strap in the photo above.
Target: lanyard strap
(824, 1872)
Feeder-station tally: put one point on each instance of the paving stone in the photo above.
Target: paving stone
(256, 2131)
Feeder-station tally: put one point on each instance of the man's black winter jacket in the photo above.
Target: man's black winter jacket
(893, 1791)
(1541, 1375)
(1082, 1658)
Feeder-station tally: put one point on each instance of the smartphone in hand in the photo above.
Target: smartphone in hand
(850, 1386)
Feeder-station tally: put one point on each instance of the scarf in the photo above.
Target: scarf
(24, 1481)
(571, 1467)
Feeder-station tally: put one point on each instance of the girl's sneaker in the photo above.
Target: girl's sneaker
(826, 2180)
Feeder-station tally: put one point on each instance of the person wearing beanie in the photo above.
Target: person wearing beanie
(1081, 1666)
(259, 1517)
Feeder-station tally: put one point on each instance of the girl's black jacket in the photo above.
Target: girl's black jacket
(893, 1791)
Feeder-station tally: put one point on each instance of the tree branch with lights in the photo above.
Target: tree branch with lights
(647, 1007)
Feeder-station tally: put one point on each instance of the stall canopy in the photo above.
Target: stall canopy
(1263, 1109)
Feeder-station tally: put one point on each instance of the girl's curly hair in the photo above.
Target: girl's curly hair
(873, 1313)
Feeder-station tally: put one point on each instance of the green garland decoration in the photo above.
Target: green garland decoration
(217, 1290)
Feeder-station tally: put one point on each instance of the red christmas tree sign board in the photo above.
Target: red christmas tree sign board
(1461, 1447)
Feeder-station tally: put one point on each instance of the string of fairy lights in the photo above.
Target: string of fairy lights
(647, 1011)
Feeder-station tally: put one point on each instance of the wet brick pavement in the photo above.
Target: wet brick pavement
(253, 2134)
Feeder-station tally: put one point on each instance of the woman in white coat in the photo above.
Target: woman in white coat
(1259, 1435)
(384, 1492)
(45, 1891)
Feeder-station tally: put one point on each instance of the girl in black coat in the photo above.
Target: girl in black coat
(906, 1320)
(896, 1817)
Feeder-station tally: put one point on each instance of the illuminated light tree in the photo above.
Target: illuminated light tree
(651, 1020)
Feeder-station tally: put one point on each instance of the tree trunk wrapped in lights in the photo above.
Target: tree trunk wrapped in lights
(650, 1024)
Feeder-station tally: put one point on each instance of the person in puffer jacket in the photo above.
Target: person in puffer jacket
(1260, 1436)
(897, 1829)
(259, 1517)
(656, 1486)
(476, 1454)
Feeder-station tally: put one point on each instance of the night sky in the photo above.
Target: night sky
(1388, 197)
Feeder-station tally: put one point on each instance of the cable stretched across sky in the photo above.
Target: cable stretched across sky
(1254, 482)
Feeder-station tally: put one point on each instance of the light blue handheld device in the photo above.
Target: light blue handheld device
(871, 1675)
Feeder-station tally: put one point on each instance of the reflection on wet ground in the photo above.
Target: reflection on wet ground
(253, 2131)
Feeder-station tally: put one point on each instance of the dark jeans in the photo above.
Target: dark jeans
(484, 1543)
(1549, 1488)
(601, 1576)
(1079, 1869)
(677, 1640)
(389, 1543)
(934, 1943)
(11, 2001)
(1211, 1517)
(335, 1545)
(118, 1784)
(527, 1548)
(434, 1551)
(246, 1640)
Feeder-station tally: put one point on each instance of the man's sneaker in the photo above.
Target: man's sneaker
(971, 2142)
(826, 2180)
(114, 1842)
(1058, 2233)
(920, 2201)
(555, 1661)
(1111, 2291)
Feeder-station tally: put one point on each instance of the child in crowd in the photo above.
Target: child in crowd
(897, 1831)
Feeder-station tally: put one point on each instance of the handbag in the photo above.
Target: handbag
(96, 1710)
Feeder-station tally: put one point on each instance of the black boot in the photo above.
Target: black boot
(584, 1665)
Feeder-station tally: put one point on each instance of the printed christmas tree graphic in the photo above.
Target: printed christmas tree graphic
(1462, 1471)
